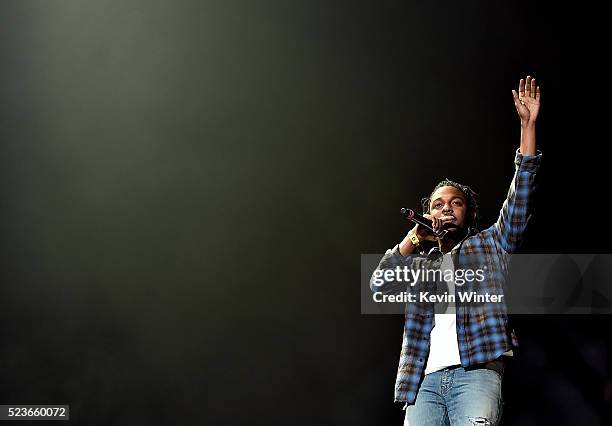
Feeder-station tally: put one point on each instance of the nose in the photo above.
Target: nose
(447, 209)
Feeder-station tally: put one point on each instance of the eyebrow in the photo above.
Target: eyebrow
(452, 199)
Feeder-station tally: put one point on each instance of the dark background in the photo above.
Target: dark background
(187, 188)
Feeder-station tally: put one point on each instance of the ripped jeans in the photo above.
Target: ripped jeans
(457, 397)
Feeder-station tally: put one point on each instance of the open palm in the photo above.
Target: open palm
(527, 101)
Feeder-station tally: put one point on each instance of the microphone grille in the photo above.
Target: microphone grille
(408, 213)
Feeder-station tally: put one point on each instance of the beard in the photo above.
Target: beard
(455, 232)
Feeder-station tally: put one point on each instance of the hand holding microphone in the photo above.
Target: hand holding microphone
(427, 227)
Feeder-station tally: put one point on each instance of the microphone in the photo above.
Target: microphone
(415, 217)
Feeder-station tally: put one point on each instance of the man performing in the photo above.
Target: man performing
(451, 365)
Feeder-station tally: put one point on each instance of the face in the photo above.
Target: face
(449, 201)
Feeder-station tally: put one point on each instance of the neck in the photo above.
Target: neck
(445, 245)
(451, 240)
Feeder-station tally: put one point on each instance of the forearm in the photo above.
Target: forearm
(528, 138)
(515, 211)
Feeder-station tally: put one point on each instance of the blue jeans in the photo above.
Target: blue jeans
(457, 397)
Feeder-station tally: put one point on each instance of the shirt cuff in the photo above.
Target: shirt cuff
(528, 163)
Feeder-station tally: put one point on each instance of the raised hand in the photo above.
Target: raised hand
(527, 101)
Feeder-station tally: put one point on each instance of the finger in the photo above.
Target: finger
(521, 88)
(516, 99)
(538, 93)
(533, 88)
(515, 96)
(528, 86)
(436, 225)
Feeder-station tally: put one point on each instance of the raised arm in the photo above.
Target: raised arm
(514, 215)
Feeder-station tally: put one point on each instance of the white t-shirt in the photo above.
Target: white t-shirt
(443, 346)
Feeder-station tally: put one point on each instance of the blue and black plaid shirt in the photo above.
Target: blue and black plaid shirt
(483, 333)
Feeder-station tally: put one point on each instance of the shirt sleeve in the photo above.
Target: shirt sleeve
(514, 215)
(391, 259)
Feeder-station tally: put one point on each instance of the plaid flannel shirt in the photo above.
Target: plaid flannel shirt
(483, 333)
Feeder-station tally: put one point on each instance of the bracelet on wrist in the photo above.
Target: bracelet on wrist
(414, 239)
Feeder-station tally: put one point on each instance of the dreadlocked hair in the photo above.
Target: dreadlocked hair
(470, 197)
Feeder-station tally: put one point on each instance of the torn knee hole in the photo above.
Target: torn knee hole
(479, 421)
